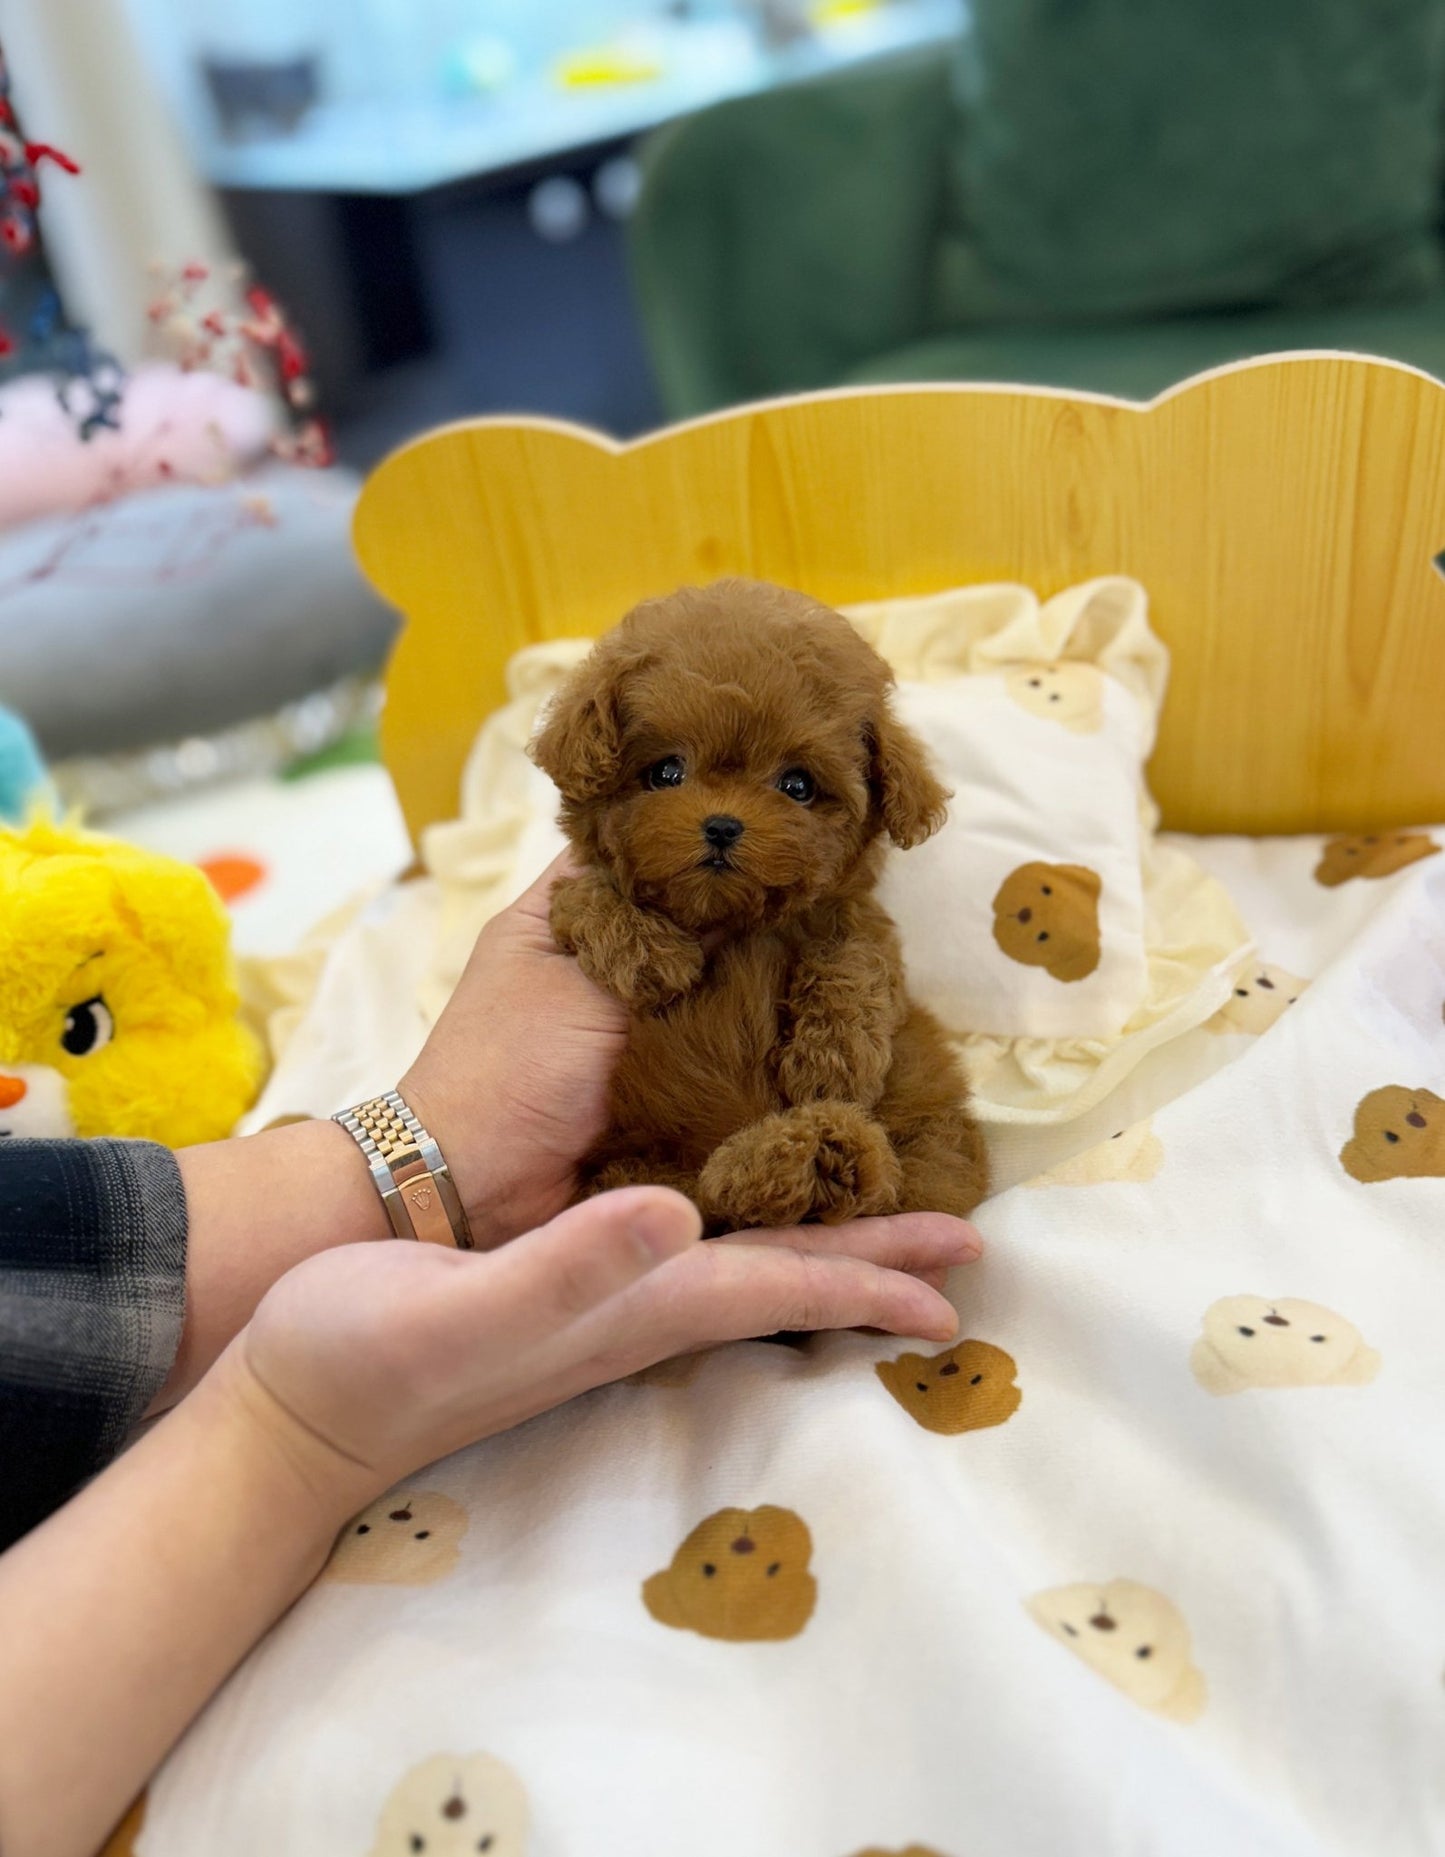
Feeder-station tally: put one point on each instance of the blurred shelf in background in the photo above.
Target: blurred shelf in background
(385, 146)
(434, 188)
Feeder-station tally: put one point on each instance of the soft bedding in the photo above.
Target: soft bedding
(1148, 1563)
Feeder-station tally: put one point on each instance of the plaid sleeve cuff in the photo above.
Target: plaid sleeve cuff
(92, 1296)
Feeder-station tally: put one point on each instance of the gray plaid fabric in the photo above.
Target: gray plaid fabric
(92, 1294)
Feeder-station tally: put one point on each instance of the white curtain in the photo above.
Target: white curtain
(80, 82)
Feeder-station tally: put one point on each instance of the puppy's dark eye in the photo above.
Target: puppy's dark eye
(88, 1027)
(666, 773)
(798, 784)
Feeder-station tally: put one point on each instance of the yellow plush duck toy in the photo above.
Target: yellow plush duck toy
(118, 1003)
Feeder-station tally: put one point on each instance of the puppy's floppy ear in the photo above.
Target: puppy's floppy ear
(910, 801)
(580, 741)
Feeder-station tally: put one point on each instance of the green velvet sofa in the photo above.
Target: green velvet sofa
(789, 241)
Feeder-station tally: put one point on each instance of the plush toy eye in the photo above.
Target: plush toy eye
(798, 784)
(667, 773)
(88, 1027)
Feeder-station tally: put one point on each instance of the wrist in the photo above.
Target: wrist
(257, 1432)
(464, 1127)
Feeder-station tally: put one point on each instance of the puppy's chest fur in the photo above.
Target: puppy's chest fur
(706, 1067)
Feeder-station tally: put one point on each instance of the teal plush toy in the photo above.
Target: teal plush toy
(22, 772)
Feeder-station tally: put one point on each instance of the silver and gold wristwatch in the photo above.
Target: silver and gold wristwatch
(408, 1170)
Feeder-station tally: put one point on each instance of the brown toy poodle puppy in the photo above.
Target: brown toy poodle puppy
(729, 768)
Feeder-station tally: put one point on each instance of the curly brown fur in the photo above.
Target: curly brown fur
(776, 1069)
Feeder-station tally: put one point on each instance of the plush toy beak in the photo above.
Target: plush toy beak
(33, 1103)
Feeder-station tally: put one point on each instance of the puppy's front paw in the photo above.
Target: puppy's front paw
(638, 958)
(826, 1161)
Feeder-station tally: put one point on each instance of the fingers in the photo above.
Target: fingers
(589, 1254)
(731, 1292)
(536, 899)
(916, 1241)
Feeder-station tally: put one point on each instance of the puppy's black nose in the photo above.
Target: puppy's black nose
(722, 830)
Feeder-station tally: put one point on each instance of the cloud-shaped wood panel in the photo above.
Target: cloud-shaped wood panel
(1283, 515)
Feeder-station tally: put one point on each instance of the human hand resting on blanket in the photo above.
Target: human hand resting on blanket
(370, 1366)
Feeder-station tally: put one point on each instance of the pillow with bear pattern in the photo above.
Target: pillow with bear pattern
(1024, 914)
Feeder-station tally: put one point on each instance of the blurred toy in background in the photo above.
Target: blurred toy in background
(118, 999)
(212, 319)
(20, 163)
(34, 334)
(22, 772)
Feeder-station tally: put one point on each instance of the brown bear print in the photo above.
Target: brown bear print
(405, 1539)
(1047, 915)
(1261, 997)
(967, 1387)
(1399, 1135)
(909, 1850)
(1131, 1635)
(741, 1575)
(1376, 854)
(452, 1804)
(121, 1842)
(1133, 1153)
(1070, 694)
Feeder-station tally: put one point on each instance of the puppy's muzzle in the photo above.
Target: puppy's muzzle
(720, 833)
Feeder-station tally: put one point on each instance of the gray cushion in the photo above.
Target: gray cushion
(184, 610)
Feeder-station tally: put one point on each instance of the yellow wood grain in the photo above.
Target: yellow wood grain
(1282, 514)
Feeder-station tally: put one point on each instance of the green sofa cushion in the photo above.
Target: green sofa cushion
(1137, 361)
(1126, 158)
(783, 237)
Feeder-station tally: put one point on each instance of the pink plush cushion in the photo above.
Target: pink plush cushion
(174, 428)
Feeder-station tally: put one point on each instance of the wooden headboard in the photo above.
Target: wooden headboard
(1283, 515)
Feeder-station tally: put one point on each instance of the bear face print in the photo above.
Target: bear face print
(1250, 1342)
(1133, 1637)
(909, 1850)
(1376, 854)
(405, 1539)
(1135, 1153)
(967, 1387)
(453, 1804)
(1399, 1135)
(1261, 997)
(1070, 694)
(1047, 915)
(741, 1575)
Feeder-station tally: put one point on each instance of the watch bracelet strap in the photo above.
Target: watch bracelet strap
(408, 1171)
